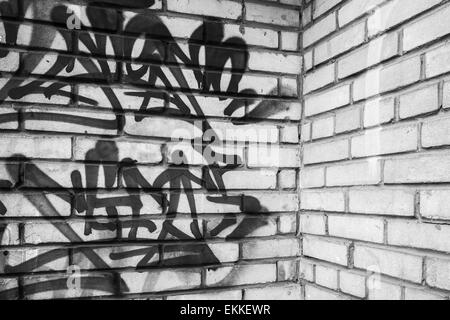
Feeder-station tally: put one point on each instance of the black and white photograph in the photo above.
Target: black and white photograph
(244, 151)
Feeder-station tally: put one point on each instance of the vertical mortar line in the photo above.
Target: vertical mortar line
(385, 231)
(203, 278)
(350, 257)
(396, 109)
(441, 95)
(417, 213)
(400, 42)
(422, 67)
(20, 288)
(300, 79)
(419, 136)
(424, 271)
(402, 293)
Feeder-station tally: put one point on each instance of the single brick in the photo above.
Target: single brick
(358, 228)
(241, 274)
(160, 280)
(322, 200)
(278, 248)
(334, 251)
(392, 263)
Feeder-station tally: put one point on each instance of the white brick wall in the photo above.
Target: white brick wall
(91, 141)
(375, 133)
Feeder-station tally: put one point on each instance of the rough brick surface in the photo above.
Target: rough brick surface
(374, 178)
(152, 146)
(282, 149)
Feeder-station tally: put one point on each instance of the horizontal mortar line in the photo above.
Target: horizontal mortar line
(330, 290)
(166, 243)
(167, 113)
(195, 268)
(381, 157)
(136, 61)
(153, 266)
(72, 216)
(398, 56)
(168, 40)
(141, 190)
(138, 85)
(388, 245)
(387, 278)
(197, 289)
(149, 139)
(395, 28)
(169, 13)
(381, 64)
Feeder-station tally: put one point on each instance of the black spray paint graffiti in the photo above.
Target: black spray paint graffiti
(209, 78)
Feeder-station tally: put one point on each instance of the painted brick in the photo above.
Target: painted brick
(326, 152)
(328, 100)
(437, 273)
(289, 41)
(435, 132)
(323, 200)
(241, 274)
(166, 280)
(272, 15)
(376, 51)
(385, 141)
(312, 177)
(319, 30)
(306, 270)
(385, 291)
(273, 62)
(319, 78)
(313, 224)
(359, 228)
(419, 169)
(279, 292)
(352, 283)
(287, 270)
(222, 9)
(378, 112)
(356, 173)
(419, 235)
(387, 78)
(214, 295)
(395, 12)
(36, 147)
(434, 204)
(323, 128)
(392, 263)
(422, 294)
(431, 27)
(26, 204)
(287, 179)
(324, 249)
(270, 248)
(348, 120)
(316, 293)
(327, 277)
(437, 61)
(340, 43)
(356, 8)
(419, 102)
(394, 202)
(289, 134)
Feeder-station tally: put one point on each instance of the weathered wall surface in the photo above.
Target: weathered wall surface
(97, 198)
(374, 178)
